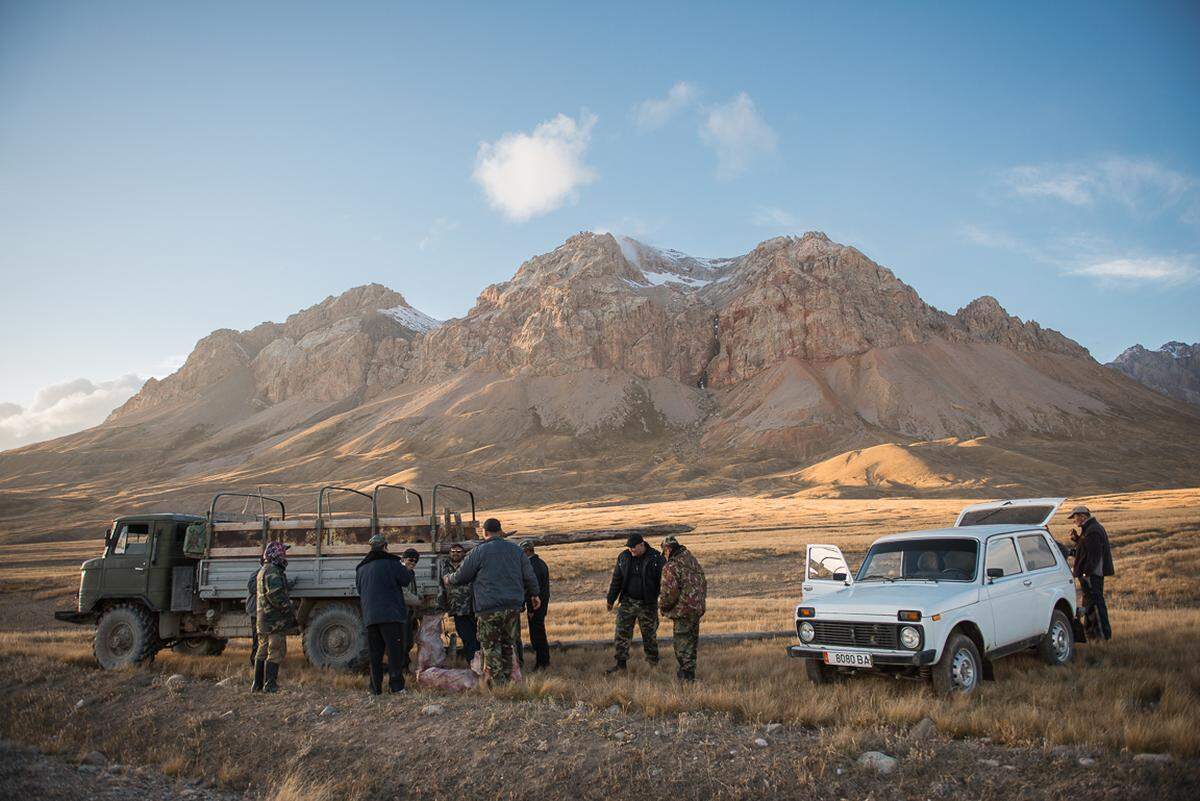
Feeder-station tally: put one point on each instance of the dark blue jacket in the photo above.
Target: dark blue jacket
(380, 579)
(500, 575)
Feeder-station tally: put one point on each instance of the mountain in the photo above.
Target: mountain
(1173, 369)
(608, 370)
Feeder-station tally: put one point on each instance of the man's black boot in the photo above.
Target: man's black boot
(619, 667)
(271, 677)
(257, 685)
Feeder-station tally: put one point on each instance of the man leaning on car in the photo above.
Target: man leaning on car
(1093, 561)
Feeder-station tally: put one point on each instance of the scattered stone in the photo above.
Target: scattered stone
(430, 710)
(93, 758)
(89, 769)
(1154, 759)
(990, 763)
(877, 761)
(615, 709)
(924, 729)
(840, 771)
(175, 682)
(1086, 762)
(771, 728)
(80, 704)
(542, 746)
(761, 743)
(328, 711)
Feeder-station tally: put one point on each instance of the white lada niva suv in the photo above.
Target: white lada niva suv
(942, 604)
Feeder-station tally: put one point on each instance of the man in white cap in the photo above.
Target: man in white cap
(1093, 561)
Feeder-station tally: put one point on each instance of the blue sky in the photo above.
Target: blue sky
(168, 169)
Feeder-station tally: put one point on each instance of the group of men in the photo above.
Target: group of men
(485, 592)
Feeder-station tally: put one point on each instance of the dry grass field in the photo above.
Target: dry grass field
(1138, 693)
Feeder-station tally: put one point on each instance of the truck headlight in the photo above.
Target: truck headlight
(910, 638)
(807, 632)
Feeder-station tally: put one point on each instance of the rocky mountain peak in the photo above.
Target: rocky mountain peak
(985, 320)
(1173, 369)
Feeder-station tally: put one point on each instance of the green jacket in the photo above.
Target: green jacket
(274, 613)
(456, 599)
(684, 589)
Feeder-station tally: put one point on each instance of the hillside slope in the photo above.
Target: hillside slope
(608, 369)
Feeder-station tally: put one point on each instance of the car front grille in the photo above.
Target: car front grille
(858, 635)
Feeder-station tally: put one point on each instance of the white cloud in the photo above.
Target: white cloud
(1135, 183)
(64, 409)
(652, 114)
(1159, 270)
(774, 217)
(528, 174)
(440, 227)
(738, 135)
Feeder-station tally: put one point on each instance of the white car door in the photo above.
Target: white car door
(1015, 607)
(1043, 564)
(821, 564)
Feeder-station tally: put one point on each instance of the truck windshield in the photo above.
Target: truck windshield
(928, 559)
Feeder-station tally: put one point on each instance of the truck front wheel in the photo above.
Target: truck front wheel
(200, 646)
(335, 638)
(126, 635)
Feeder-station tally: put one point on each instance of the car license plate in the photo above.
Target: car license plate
(847, 659)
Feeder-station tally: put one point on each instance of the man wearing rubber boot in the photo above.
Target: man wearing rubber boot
(683, 599)
(635, 583)
(275, 618)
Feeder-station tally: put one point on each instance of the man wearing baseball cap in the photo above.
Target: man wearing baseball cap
(1093, 561)
(380, 579)
(635, 583)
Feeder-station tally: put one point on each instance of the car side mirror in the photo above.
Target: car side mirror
(995, 573)
(839, 576)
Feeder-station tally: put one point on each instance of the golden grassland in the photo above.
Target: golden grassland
(1140, 692)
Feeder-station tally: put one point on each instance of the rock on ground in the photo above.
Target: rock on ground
(877, 761)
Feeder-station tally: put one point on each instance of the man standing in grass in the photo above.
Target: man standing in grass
(458, 604)
(1093, 561)
(380, 580)
(635, 583)
(274, 618)
(501, 578)
(683, 599)
(537, 616)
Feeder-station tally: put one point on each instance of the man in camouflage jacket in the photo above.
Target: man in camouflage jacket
(456, 600)
(682, 598)
(275, 617)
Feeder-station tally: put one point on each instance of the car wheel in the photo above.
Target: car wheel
(960, 669)
(819, 672)
(126, 635)
(1058, 645)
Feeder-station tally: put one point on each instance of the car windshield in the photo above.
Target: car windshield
(923, 559)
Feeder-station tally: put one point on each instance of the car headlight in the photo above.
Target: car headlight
(910, 638)
(807, 632)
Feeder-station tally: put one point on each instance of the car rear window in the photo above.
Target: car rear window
(1037, 553)
(1004, 515)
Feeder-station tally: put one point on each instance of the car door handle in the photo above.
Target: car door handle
(1027, 582)
(140, 569)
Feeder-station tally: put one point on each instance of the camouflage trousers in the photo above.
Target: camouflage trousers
(686, 638)
(272, 647)
(645, 614)
(497, 632)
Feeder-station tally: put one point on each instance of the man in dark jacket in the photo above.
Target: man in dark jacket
(380, 579)
(501, 579)
(412, 623)
(635, 583)
(537, 617)
(1093, 561)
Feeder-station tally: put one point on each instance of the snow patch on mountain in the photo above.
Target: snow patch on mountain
(412, 319)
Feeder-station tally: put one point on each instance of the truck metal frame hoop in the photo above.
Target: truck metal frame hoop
(321, 510)
(433, 516)
(375, 502)
(262, 499)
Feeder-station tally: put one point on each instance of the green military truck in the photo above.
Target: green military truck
(180, 580)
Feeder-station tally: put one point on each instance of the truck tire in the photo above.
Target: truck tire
(200, 646)
(1058, 645)
(820, 673)
(960, 669)
(126, 635)
(335, 637)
